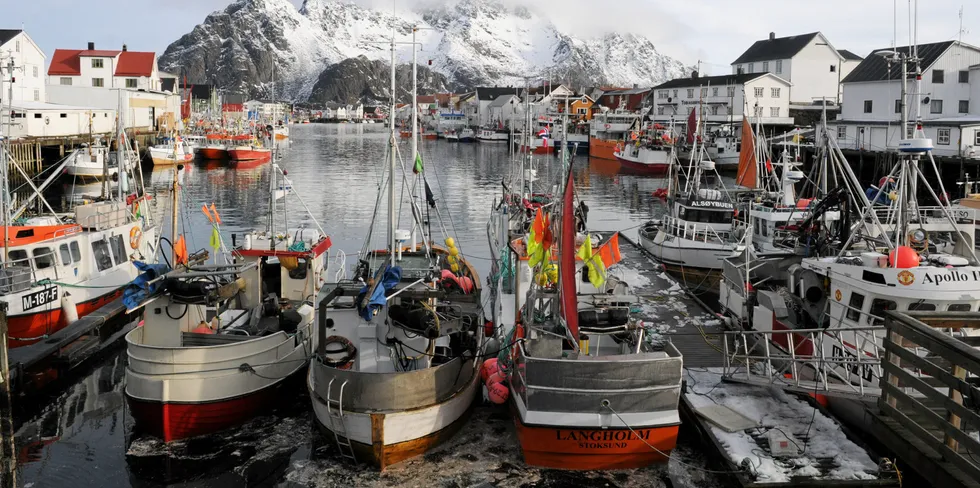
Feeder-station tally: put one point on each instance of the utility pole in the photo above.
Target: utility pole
(4, 163)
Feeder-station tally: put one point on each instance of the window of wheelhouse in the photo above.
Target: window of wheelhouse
(878, 308)
(855, 305)
(102, 257)
(65, 255)
(959, 307)
(18, 257)
(43, 258)
(118, 249)
(76, 253)
(922, 307)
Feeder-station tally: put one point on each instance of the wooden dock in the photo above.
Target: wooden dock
(34, 366)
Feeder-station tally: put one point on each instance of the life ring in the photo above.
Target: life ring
(135, 236)
(348, 348)
(608, 126)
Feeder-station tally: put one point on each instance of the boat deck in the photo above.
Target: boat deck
(680, 316)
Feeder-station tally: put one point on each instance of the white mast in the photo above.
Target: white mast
(415, 97)
(391, 152)
(4, 164)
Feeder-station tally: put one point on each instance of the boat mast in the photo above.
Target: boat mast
(415, 98)
(120, 154)
(391, 153)
(4, 164)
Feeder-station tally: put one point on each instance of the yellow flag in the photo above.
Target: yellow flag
(597, 270)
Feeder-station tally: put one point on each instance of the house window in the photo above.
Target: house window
(943, 137)
(964, 106)
(38, 115)
(751, 67)
(63, 116)
(35, 71)
(759, 92)
(729, 110)
(774, 111)
(842, 132)
(938, 76)
(775, 92)
(704, 92)
(65, 81)
(765, 66)
(130, 82)
(660, 110)
(758, 111)
(976, 138)
(731, 91)
(37, 95)
(714, 91)
(868, 106)
(964, 76)
(833, 68)
(675, 93)
(582, 111)
(898, 106)
(97, 63)
(779, 66)
(690, 93)
(936, 106)
(98, 82)
(714, 110)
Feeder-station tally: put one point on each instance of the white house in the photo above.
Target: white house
(809, 62)
(506, 110)
(486, 96)
(949, 104)
(28, 66)
(763, 97)
(104, 68)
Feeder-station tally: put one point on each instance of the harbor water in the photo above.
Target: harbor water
(81, 434)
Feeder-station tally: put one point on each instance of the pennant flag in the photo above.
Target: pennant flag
(418, 163)
(544, 132)
(430, 198)
(180, 251)
(597, 271)
(214, 212)
(535, 250)
(215, 239)
(609, 252)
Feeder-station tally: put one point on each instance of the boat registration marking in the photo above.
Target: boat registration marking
(38, 298)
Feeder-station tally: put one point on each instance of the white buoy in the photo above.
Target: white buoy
(68, 309)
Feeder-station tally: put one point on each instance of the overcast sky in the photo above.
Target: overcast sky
(714, 32)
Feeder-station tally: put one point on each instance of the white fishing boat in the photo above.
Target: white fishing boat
(492, 135)
(399, 339)
(220, 340)
(645, 154)
(170, 154)
(92, 162)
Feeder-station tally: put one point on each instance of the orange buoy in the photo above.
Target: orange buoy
(497, 377)
(203, 328)
(490, 367)
(903, 257)
(498, 393)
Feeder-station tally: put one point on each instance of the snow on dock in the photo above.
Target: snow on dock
(823, 451)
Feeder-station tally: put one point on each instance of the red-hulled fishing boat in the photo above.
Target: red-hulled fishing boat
(216, 147)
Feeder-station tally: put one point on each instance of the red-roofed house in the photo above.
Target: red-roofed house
(102, 68)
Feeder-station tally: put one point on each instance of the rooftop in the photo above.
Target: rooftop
(848, 55)
(8, 34)
(491, 93)
(876, 67)
(722, 80)
(775, 48)
(67, 62)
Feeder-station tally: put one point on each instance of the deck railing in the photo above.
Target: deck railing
(929, 385)
(695, 231)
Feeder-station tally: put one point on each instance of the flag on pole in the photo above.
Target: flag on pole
(418, 163)
(597, 271)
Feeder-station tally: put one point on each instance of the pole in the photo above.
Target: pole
(8, 471)
(4, 172)
(391, 162)
(415, 97)
(173, 217)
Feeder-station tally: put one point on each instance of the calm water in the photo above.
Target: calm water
(82, 434)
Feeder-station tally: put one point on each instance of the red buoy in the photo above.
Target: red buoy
(489, 367)
(498, 393)
(903, 257)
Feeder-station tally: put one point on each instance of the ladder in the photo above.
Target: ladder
(337, 425)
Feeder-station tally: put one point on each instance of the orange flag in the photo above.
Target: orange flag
(214, 211)
(609, 252)
(180, 251)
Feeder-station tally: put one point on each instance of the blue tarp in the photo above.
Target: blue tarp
(391, 276)
(137, 290)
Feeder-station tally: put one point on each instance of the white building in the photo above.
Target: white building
(486, 96)
(28, 66)
(267, 110)
(949, 105)
(104, 68)
(763, 97)
(506, 110)
(39, 119)
(808, 62)
(140, 109)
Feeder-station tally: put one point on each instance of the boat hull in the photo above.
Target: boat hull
(697, 265)
(602, 149)
(213, 153)
(384, 438)
(31, 328)
(248, 154)
(172, 421)
(170, 161)
(538, 149)
(595, 448)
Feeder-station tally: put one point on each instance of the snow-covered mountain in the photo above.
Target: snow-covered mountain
(471, 42)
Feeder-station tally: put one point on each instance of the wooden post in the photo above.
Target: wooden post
(8, 458)
(957, 396)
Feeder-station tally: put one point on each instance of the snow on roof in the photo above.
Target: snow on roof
(828, 453)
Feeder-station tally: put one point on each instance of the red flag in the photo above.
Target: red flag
(769, 166)
(692, 126)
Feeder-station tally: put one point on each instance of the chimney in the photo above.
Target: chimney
(91, 46)
(694, 74)
(772, 36)
(635, 86)
(125, 48)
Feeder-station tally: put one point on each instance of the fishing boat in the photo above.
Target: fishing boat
(585, 389)
(696, 233)
(493, 134)
(58, 268)
(92, 162)
(170, 154)
(396, 368)
(216, 147)
(646, 151)
(220, 340)
(281, 132)
(451, 135)
(608, 129)
(251, 152)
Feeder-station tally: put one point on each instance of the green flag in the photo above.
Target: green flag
(418, 163)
